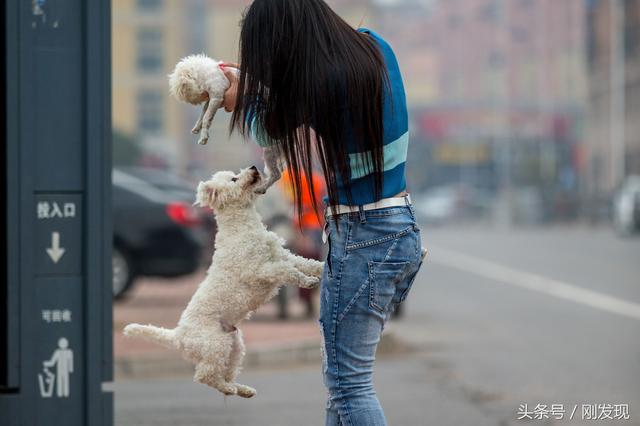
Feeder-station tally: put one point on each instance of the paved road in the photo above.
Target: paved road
(498, 318)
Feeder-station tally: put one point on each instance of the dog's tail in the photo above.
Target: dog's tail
(162, 336)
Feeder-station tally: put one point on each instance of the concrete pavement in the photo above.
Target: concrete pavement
(411, 395)
(269, 341)
(160, 302)
(484, 345)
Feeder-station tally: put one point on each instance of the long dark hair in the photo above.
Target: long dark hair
(303, 67)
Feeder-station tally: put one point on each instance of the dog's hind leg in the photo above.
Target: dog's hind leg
(212, 368)
(196, 129)
(235, 365)
(212, 374)
(207, 118)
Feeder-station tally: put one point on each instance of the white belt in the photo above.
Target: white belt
(380, 204)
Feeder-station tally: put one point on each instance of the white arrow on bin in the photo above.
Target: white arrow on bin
(55, 252)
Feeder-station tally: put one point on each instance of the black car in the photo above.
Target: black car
(157, 231)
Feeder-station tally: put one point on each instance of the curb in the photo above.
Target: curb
(276, 356)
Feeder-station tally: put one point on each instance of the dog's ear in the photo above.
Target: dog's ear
(182, 84)
(205, 195)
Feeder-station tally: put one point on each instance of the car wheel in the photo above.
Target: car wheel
(122, 273)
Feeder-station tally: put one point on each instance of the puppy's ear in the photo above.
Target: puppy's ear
(182, 84)
(205, 195)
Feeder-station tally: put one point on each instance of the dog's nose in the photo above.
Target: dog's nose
(254, 168)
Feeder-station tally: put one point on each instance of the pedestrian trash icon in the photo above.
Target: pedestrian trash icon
(62, 360)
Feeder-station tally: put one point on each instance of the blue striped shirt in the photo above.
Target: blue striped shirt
(395, 140)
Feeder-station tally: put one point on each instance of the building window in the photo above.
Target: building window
(490, 12)
(149, 111)
(455, 21)
(631, 28)
(149, 50)
(496, 59)
(149, 5)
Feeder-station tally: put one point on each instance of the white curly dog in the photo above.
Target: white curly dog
(198, 79)
(248, 267)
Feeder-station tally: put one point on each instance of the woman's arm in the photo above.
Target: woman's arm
(230, 71)
(256, 130)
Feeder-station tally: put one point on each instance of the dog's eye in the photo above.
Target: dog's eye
(234, 179)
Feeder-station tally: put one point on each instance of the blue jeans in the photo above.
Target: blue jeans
(373, 259)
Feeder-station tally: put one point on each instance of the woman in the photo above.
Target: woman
(320, 89)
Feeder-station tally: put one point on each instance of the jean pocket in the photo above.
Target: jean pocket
(383, 279)
(354, 245)
(404, 287)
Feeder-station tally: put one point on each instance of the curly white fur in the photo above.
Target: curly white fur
(197, 79)
(249, 265)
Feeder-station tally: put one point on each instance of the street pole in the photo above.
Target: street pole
(616, 92)
(507, 154)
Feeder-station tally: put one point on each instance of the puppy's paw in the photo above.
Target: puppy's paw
(318, 268)
(245, 391)
(224, 388)
(131, 329)
(195, 130)
(310, 282)
(228, 389)
(204, 137)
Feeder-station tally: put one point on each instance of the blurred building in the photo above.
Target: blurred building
(613, 120)
(148, 38)
(404, 24)
(503, 87)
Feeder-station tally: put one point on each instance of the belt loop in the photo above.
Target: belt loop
(407, 201)
(363, 218)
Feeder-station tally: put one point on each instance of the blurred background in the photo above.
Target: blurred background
(524, 168)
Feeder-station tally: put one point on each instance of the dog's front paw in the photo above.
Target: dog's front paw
(310, 282)
(318, 268)
(195, 130)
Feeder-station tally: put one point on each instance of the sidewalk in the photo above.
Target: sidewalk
(270, 342)
(160, 302)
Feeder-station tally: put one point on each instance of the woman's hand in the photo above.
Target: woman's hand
(230, 96)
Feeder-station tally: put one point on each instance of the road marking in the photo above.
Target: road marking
(534, 282)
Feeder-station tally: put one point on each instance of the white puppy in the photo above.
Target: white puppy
(249, 265)
(199, 79)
